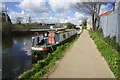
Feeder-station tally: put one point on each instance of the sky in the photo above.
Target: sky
(48, 11)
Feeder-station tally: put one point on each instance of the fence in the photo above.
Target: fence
(110, 23)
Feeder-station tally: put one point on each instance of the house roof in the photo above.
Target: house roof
(105, 13)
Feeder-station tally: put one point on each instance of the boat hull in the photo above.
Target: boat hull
(52, 48)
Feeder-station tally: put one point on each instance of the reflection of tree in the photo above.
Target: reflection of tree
(7, 42)
(23, 38)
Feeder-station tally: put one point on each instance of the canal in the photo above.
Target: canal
(17, 56)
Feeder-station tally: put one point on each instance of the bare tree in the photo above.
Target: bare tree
(91, 8)
(114, 2)
(29, 19)
(19, 20)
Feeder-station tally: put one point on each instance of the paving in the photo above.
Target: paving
(82, 60)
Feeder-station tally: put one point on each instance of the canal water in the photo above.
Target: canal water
(16, 55)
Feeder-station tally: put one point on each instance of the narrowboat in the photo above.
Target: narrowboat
(51, 39)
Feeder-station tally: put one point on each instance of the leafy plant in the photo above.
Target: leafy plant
(110, 40)
(107, 50)
(6, 27)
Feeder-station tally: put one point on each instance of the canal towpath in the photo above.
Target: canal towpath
(82, 60)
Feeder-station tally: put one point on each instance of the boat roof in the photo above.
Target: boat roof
(64, 30)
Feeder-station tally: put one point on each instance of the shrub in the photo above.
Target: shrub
(110, 40)
(84, 27)
(6, 27)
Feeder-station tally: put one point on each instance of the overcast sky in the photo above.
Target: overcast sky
(48, 11)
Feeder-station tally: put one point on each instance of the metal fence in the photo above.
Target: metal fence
(110, 23)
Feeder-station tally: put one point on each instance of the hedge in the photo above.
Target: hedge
(111, 55)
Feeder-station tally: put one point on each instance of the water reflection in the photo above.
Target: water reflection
(7, 42)
(16, 56)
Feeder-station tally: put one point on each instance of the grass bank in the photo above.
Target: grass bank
(108, 51)
(42, 67)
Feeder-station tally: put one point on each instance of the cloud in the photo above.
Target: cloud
(73, 20)
(105, 8)
(14, 15)
(60, 15)
(48, 11)
(79, 15)
(3, 7)
(62, 5)
(35, 6)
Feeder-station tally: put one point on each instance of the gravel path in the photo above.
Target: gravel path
(82, 60)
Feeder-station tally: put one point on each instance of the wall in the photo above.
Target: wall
(110, 23)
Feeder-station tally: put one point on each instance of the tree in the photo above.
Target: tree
(70, 25)
(91, 8)
(5, 17)
(6, 23)
(114, 2)
(6, 27)
(19, 20)
(29, 19)
(84, 22)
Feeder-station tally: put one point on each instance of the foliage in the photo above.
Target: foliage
(28, 26)
(84, 27)
(6, 27)
(43, 66)
(70, 25)
(110, 40)
(5, 16)
(19, 20)
(6, 23)
(84, 22)
(110, 54)
(92, 8)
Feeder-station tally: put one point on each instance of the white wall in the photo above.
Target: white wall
(111, 24)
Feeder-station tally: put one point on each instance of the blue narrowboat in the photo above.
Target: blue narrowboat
(51, 39)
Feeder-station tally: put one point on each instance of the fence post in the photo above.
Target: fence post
(119, 22)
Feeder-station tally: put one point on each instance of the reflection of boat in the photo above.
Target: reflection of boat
(49, 40)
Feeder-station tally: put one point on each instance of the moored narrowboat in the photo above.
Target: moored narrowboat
(51, 39)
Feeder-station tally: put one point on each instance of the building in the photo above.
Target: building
(89, 24)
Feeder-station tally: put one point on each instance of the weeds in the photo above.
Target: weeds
(109, 50)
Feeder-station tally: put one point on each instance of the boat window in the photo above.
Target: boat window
(64, 36)
(33, 40)
(68, 34)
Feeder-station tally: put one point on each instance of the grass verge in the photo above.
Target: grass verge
(43, 66)
(111, 55)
